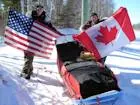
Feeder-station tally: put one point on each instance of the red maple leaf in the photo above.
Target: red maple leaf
(106, 35)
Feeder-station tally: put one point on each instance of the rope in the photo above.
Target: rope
(98, 101)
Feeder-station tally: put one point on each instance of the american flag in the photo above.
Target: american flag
(25, 34)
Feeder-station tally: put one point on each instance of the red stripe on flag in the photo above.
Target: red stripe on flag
(87, 43)
(40, 35)
(45, 31)
(46, 41)
(123, 19)
(26, 45)
(29, 41)
(22, 38)
(24, 50)
(49, 29)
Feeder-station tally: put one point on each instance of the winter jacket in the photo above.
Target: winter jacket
(90, 24)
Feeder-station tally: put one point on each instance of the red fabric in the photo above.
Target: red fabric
(109, 35)
(125, 22)
(70, 82)
(87, 43)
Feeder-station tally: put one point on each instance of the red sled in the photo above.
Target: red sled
(84, 79)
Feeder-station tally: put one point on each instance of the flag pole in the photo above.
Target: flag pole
(85, 11)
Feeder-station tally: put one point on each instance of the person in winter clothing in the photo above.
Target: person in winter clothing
(94, 19)
(39, 14)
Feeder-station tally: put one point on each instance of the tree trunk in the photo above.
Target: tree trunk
(29, 5)
(22, 6)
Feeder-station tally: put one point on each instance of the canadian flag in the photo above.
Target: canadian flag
(109, 35)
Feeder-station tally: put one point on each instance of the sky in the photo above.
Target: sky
(133, 7)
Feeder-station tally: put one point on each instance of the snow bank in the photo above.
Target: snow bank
(11, 90)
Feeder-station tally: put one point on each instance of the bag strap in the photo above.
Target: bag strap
(98, 101)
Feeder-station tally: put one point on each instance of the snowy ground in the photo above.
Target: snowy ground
(46, 87)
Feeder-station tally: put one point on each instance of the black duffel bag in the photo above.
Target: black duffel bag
(92, 78)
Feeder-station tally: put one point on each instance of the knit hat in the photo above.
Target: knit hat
(94, 14)
(39, 6)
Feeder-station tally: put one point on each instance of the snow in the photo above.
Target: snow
(11, 90)
(46, 86)
(68, 31)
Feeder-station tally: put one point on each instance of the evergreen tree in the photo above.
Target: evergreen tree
(11, 4)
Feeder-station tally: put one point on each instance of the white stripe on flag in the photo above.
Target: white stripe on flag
(41, 32)
(46, 30)
(26, 43)
(40, 37)
(32, 39)
(17, 45)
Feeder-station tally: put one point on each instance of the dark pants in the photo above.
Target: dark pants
(28, 66)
